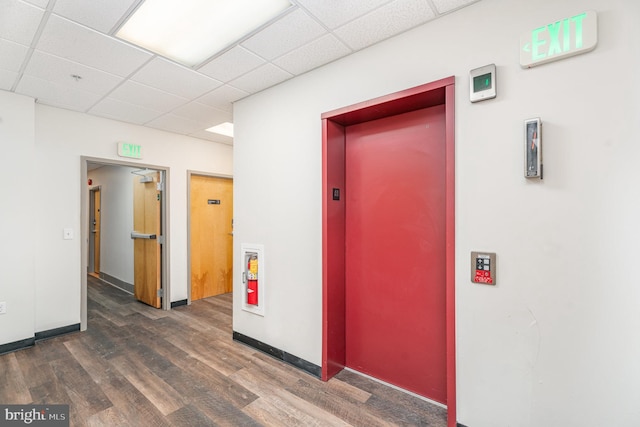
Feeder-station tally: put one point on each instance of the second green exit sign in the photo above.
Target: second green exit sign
(126, 149)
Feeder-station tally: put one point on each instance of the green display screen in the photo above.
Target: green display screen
(482, 82)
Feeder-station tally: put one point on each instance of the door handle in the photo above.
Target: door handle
(136, 235)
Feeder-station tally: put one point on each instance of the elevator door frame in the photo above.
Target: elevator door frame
(334, 124)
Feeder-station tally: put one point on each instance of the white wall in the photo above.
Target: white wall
(62, 137)
(116, 220)
(18, 195)
(555, 342)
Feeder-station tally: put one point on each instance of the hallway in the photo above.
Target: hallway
(139, 366)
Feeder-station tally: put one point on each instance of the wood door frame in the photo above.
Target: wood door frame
(91, 236)
(84, 238)
(334, 124)
(189, 174)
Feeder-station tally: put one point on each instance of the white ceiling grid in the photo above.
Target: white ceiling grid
(44, 43)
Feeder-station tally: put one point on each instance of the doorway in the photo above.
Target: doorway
(125, 223)
(394, 260)
(210, 235)
(388, 241)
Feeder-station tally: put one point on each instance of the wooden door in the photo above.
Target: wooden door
(395, 251)
(146, 249)
(211, 216)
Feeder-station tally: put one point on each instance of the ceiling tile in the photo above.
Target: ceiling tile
(204, 114)
(334, 13)
(173, 78)
(284, 35)
(223, 97)
(7, 79)
(385, 22)
(312, 55)
(57, 95)
(445, 6)
(148, 97)
(123, 111)
(40, 3)
(12, 55)
(232, 64)
(99, 15)
(71, 41)
(19, 21)
(60, 71)
(214, 137)
(261, 78)
(177, 124)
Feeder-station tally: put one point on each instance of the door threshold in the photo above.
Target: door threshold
(395, 387)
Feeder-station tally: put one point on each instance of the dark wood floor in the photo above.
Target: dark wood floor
(138, 366)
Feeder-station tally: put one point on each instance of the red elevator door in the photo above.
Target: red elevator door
(395, 250)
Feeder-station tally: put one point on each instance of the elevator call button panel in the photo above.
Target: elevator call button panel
(483, 268)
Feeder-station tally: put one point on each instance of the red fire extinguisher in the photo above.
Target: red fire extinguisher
(252, 280)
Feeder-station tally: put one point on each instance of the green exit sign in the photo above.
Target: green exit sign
(560, 39)
(126, 149)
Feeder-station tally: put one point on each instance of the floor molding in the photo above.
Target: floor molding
(52, 333)
(114, 281)
(17, 345)
(175, 304)
(299, 363)
(39, 336)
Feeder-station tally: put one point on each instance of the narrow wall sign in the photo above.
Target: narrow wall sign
(558, 40)
(126, 149)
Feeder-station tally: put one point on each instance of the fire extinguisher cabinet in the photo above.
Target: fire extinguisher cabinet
(253, 286)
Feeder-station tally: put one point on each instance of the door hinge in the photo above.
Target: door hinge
(160, 186)
(161, 240)
(160, 293)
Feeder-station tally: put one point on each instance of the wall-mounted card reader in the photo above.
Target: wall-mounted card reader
(483, 268)
(482, 83)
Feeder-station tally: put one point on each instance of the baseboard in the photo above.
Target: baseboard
(299, 363)
(175, 304)
(461, 425)
(114, 281)
(52, 333)
(39, 336)
(17, 345)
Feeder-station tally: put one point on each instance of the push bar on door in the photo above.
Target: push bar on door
(136, 235)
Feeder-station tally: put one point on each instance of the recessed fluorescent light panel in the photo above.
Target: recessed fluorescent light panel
(225, 129)
(191, 31)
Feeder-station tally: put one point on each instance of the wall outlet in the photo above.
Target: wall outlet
(3, 307)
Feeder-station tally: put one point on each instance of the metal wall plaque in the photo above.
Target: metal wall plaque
(483, 268)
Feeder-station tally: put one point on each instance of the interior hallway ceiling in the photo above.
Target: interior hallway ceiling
(64, 53)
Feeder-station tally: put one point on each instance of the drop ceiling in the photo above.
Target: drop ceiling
(63, 53)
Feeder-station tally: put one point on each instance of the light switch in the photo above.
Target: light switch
(68, 234)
